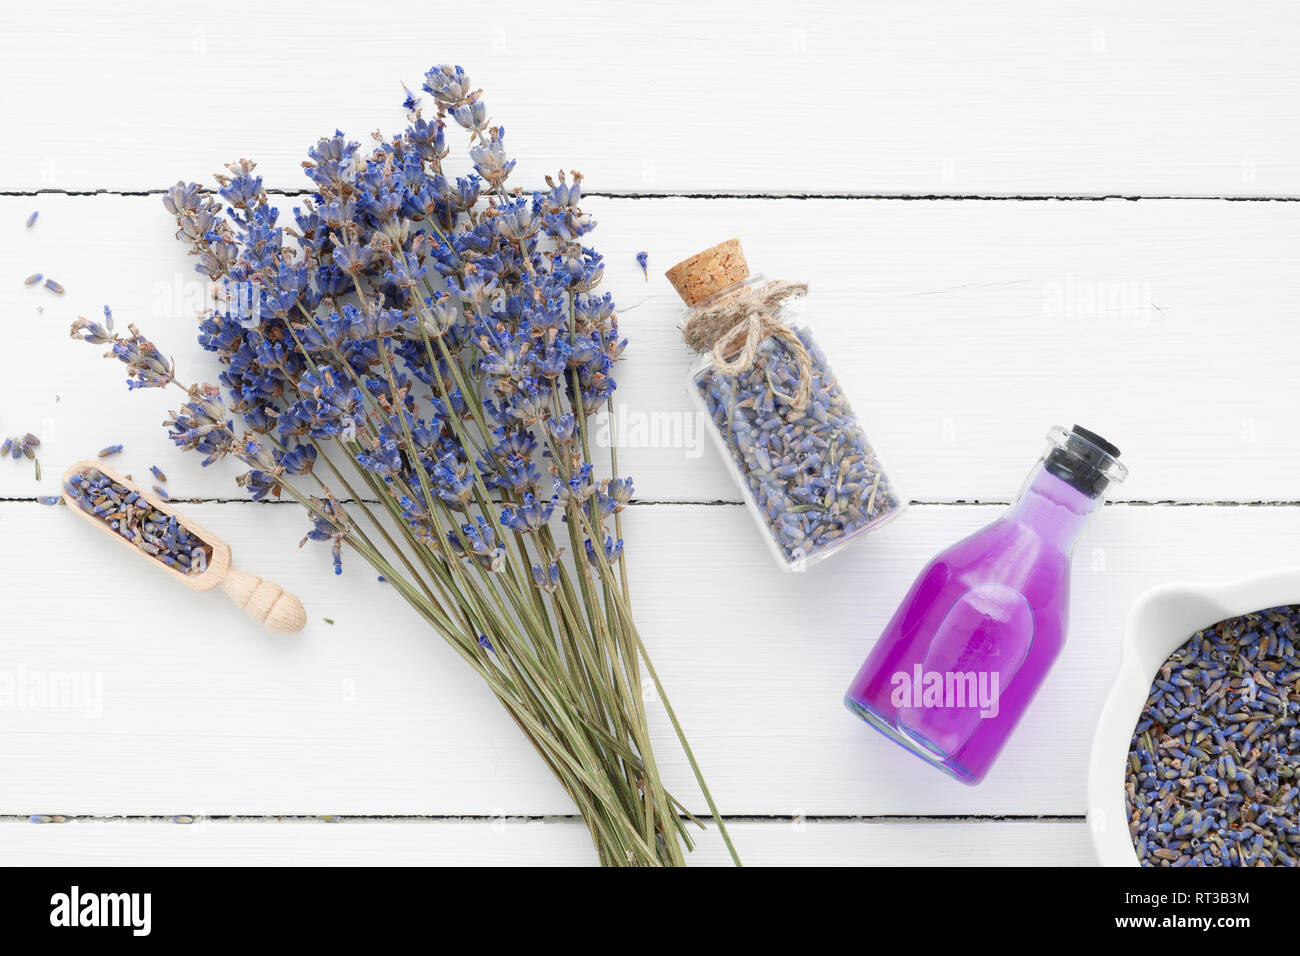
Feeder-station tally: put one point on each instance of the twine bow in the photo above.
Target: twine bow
(744, 322)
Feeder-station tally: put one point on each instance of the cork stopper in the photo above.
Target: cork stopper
(709, 272)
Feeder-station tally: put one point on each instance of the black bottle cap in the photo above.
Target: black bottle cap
(1083, 461)
(1097, 440)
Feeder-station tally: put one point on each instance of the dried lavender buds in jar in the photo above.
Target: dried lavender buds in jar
(1213, 777)
(781, 419)
(125, 511)
(813, 475)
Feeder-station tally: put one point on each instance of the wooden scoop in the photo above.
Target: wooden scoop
(261, 600)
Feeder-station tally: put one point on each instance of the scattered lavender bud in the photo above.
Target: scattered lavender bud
(124, 511)
(161, 492)
(32, 279)
(1216, 749)
(157, 473)
(31, 220)
(54, 287)
(50, 500)
(110, 450)
(643, 260)
(22, 447)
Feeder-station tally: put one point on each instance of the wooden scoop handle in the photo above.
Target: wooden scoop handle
(265, 601)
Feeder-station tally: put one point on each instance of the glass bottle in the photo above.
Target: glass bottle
(974, 638)
(809, 477)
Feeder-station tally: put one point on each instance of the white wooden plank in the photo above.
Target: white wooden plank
(187, 708)
(964, 329)
(832, 97)
(530, 843)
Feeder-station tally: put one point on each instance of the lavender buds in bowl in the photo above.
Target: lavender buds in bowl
(1212, 768)
(1196, 754)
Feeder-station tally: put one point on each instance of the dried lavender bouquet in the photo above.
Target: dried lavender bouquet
(416, 362)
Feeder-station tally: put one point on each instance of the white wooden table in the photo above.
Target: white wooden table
(1011, 215)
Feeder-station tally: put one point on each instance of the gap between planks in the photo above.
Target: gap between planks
(850, 196)
(659, 503)
(331, 819)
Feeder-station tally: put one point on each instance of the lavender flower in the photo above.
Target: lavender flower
(444, 333)
(201, 425)
(331, 525)
(147, 368)
(546, 578)
(92, 332)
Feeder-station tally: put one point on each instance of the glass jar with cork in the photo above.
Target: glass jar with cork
(780, 417)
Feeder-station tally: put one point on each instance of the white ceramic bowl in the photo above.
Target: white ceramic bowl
(1160, 622)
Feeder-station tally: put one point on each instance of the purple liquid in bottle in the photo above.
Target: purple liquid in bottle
(964, 654)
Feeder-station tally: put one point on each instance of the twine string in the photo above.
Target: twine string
(736, 327)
